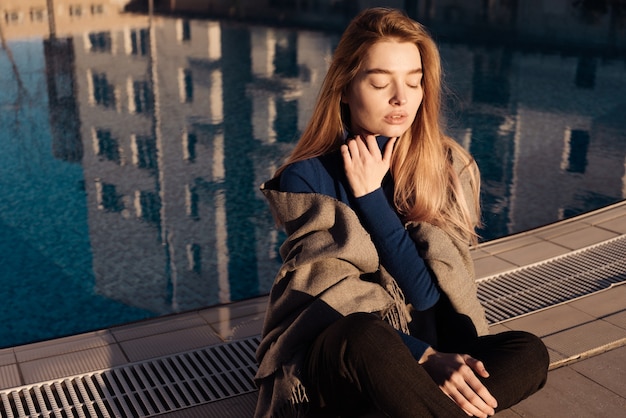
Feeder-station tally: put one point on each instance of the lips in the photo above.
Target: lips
(396, 118)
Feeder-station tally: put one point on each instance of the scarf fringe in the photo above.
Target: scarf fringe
(397, 314)
(297, 406)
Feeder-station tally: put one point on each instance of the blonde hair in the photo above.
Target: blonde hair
(427, 188)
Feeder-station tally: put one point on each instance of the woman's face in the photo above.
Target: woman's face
(385, 96)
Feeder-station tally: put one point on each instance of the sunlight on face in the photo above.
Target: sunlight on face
(385, 96)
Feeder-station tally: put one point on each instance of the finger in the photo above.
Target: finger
(483, 392)
(467, 405)
(476, 397)
(354, 146)
(472, 387)
(362, 146)
(372, 145)
(478, 393)
(477, 365)
(345, 154)
(388, 150)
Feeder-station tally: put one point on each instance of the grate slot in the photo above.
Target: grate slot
(158, 387)
(100, 387)
(76, 401)
(96, 396)
(143, 380)
(199, 378)
(187, 380)
(173, 383)
(60, 392)
(54, 406)
(218, 385)
(115, 394)
(44, 407)
(18, 405)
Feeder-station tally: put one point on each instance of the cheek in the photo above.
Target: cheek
(360, 110)
(368, 117)
(418, 101)
(362, 101)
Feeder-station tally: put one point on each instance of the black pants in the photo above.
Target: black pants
(360, 364)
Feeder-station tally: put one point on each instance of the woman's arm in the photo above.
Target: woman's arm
(397, 250)
(365, 167)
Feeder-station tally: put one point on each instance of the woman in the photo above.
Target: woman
(375, 306)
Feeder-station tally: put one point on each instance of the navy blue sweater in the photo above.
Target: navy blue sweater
(397, 251)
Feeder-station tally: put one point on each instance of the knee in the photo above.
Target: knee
(534, 347)
(349, 343)
(534, 352)
(367, 330)
(539, 352)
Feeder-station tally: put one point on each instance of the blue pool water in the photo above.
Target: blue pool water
(131, 155)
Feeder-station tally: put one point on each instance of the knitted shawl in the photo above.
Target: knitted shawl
(331, 269)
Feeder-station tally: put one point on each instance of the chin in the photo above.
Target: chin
(395, 132)
(388, 131)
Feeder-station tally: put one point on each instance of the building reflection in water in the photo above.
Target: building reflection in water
(176, 122)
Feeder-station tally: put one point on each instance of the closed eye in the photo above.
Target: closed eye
(413, 82)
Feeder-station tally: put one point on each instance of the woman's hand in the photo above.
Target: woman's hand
(364, 164)
(456, 376)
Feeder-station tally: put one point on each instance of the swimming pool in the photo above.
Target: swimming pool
(132, 152)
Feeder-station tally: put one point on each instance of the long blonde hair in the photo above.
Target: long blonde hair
(427, 187)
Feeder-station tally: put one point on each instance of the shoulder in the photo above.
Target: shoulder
(305, 168)
(313, 175)
(300, 177)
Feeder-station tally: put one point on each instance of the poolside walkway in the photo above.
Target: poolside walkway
(586, 336)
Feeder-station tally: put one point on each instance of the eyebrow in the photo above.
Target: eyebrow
(383, 71)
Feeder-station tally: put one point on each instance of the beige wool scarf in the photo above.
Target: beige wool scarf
(331, 269)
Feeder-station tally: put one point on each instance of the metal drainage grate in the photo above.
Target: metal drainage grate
(555, 281)
(142, 389)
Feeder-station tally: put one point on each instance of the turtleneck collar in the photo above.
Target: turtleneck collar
(381, 140)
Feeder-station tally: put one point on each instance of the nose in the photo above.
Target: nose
(399, 101)
(399, 98)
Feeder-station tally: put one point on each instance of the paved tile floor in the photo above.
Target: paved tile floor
(586, 337)
(590, 388)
